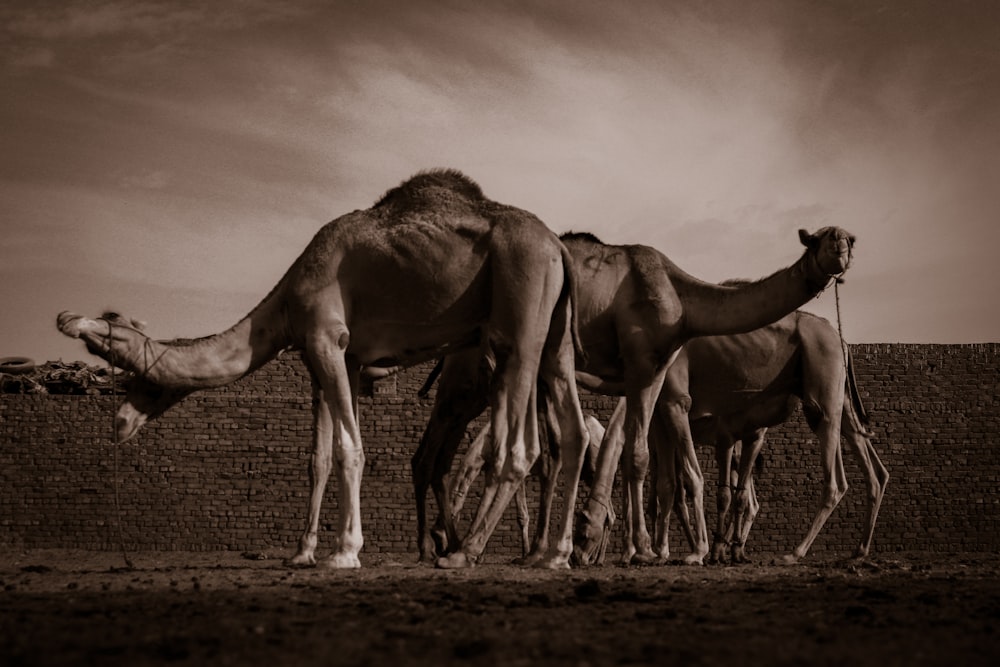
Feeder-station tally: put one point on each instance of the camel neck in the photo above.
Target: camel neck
(728, 309)
(215, 360)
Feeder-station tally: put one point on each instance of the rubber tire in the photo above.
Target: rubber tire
(16, 365)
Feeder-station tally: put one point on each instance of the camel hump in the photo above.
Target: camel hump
(580, 236)
(430, 187)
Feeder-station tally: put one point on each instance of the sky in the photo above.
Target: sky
(169, 160)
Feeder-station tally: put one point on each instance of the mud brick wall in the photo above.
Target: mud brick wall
(227, 468)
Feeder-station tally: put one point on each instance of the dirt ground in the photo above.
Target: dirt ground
(221, 608)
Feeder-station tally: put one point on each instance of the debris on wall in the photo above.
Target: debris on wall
(20, 376)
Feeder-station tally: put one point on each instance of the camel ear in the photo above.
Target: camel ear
(807, 239)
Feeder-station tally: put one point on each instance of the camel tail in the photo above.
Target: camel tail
(431, 378)
(856, 404)
(571, 291)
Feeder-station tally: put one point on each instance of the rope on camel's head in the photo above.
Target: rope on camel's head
(115, 440)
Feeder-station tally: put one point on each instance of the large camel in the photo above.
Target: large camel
(636, 308)
(433, 267)
(730, 389)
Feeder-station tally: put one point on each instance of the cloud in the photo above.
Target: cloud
(150, 179)
(31, 57)
(201, 147)
(74, 21)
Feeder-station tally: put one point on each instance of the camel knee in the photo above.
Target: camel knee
(723, 497)
(351, 457)
(678, 405)
(694, 483)
(882, 482)
(832, 496)
(637, 460)
(741, 504)
(519, 466)
(320, 465)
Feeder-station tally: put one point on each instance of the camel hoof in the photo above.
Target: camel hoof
(584, 557)
(694, 559)
(342, 561)
(527, 561)
(643, 558)
(739, 557)
(455, 561)
(787, 559)
(552, 563)
(301, 560)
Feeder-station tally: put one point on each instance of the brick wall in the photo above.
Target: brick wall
(226, 469)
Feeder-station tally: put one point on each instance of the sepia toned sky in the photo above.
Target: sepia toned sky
(169, 159)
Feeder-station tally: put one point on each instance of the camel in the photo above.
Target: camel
(636, 308)
(479, 454)
(431, 268)
(731, 389)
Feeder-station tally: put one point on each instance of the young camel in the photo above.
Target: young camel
(723, 391)
(433, 267)
(738, 386)
(636, 308)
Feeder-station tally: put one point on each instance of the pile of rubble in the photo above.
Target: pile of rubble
(19, 375)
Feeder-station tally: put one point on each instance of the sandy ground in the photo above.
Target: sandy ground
(60, 607)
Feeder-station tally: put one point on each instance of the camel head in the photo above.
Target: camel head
(590, 542)
(121, 341)
(830, 248)
(111, 336)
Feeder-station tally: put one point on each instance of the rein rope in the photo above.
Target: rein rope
(114, 438)
(837, 279)
(840, 327)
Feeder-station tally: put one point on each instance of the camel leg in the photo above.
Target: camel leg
(461, 397)
(337, 424)
(472, 465)
(876, 475)
(320, 464)
(628, 544)
(668, 493)
(523, 520)
(515, 452)
(438, 436)
(753, 509)
(723, 498)
(835, 480)
(595, 436)
(745, 506)
(547, 470)
(673, 407)
(680, 508)
(592, 522)
(639, 403)
(514, 419)
(569, 437)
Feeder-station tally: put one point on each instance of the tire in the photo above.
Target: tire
(16, 365)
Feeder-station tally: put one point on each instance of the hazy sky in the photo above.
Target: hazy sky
(169, 160)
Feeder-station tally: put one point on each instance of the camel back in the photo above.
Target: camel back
(427, 187)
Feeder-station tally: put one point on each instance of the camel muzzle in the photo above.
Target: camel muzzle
(128, 421)
(69, 323)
